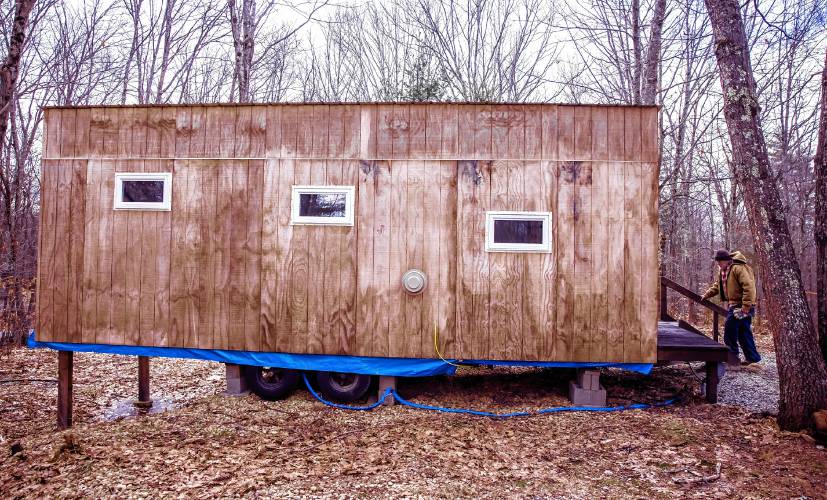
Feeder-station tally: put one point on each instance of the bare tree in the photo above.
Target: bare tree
(820, 162)
(167, 40)
(15, 184)
(608, 38)
(246, 20)
(802, 370)
(490, 50)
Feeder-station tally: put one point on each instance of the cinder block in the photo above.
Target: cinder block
(384, 383)
(236, 384)
(588, 379)
(586, 397)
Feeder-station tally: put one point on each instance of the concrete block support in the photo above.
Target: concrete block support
(586, 390)
(384, 383)
(236, 384)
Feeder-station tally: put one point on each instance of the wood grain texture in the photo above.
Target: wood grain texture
(330, 294)
(547, 298)
(650, 275)
(345, 317)
(49, 174)
(376, 234)
(473, 199)
(300, 270)
(397, 257)
(565, 303)
(105, 332)
(412, 255)
(271, 280)
(284, 259)
(448, 339)
(583, 258)
(182, 287)
(369, 277)
(503, 281)
(253, 185)
(431, 263)
(535, 198)
(76, 246)
(226, 269)
(238, 254)
(632, 261)
(92, 215)
(317, 255)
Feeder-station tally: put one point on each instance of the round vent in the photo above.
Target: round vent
(414, 281)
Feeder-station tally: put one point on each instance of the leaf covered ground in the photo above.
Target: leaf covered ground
(199, 442)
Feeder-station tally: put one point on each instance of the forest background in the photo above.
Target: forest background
(597, 51)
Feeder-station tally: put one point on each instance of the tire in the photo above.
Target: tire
(271, 383)
(343, 387)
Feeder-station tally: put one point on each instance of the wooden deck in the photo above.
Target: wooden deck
(679, 343)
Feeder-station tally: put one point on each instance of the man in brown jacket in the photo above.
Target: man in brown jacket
(735, 286)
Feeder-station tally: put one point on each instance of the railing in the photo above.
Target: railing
(689, 294)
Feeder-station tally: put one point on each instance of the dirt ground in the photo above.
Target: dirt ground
(199, 442)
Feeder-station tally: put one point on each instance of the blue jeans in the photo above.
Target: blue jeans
(739, 331)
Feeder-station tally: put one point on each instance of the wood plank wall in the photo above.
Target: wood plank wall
(225, 269)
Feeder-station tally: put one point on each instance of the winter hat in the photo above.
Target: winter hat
(722, 255)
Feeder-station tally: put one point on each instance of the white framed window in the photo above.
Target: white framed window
(143, 191)
(323, 205)
(518, 232)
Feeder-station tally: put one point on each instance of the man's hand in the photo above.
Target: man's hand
(745, 310)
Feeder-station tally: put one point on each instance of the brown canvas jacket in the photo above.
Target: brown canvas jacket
(740, 283)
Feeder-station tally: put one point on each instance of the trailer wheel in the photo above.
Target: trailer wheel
(344, 387)
(271, 383)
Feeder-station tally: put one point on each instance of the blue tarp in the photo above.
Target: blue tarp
(393, 367)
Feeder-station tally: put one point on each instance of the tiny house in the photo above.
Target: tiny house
(479, 232)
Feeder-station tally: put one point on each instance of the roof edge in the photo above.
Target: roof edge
(348, 103)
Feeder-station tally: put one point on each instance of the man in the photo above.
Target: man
(735, 286)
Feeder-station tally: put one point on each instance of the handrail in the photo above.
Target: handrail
(715, 308)
(664, 281)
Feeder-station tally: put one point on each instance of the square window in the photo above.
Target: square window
(323, 205)
(143, 191)
(518, 232)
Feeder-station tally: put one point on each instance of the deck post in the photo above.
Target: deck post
(64, 389)
(664, 315)
(715, 326)
(144, 400)
(711, 381)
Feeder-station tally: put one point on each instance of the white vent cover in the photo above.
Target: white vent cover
(414, 281)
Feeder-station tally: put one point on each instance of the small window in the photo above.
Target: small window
(518, 232)
(143, 191)
(326, 205)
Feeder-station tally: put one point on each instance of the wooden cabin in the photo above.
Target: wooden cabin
(531, 230)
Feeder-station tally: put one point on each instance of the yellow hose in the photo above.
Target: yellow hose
(436, 345)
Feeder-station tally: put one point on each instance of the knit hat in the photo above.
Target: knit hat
(722, 255)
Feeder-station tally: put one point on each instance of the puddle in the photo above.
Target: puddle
(126, 408)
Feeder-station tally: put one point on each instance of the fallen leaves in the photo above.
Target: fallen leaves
(208, 444)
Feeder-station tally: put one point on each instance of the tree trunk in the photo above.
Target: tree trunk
(821, 217)
(801, 368)
(650, 70)
(11, 186)
(9, 69)
(636, 52)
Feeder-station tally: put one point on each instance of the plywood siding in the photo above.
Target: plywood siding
(224, 269)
